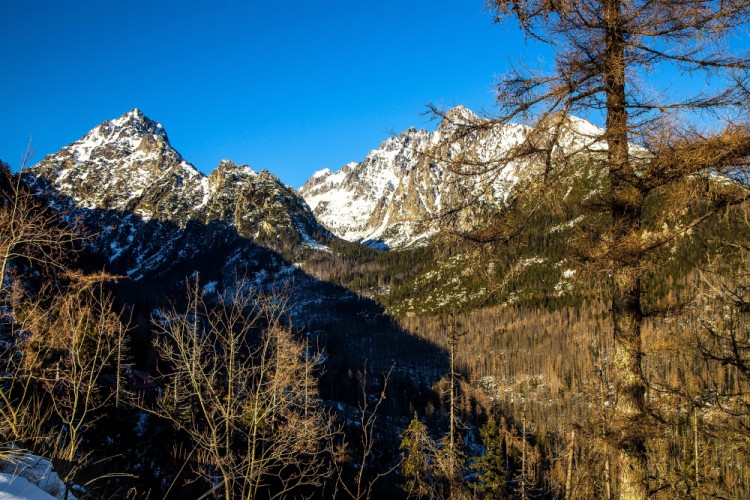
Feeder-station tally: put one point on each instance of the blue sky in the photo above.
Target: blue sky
(289, 86)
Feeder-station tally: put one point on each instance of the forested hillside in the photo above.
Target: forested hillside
(548, 300)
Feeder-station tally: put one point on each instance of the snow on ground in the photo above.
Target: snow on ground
(19, 488)
(31, 477)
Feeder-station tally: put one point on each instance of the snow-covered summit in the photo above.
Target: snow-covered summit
(235, 168)
(461, 115)
(392, 199)
(123, 164)
(135, 118)
(128, 165)
(389, 198)
(126, 132)
(321, 173)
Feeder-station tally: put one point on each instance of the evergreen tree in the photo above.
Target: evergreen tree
(417, 450)
(490, 467)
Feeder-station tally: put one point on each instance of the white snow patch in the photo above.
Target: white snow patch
(19, 488)
(566, 225)
(27, 471)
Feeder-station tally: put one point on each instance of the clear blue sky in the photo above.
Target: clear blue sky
(291, 86)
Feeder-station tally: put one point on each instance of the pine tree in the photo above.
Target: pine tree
(417, 450)
(490, 467)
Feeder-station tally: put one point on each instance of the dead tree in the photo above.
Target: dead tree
(243, 389)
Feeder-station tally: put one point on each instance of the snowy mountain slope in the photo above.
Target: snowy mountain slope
(128, 165)
(392, 198)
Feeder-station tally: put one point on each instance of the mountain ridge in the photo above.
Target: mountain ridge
(395, 197)
(392, 199)
(128, 165)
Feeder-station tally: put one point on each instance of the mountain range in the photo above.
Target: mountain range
(363, 285)
(154, 218)
(392, 199)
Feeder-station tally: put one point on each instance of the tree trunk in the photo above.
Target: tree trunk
(569, 474)
(452, 430)
(696, 451)
(607, 480)
(452, 341)
(627, 317)
(523, 451)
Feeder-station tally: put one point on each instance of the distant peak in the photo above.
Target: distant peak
(227, 164)
(584, 127)
(137, 124)
(136, 116)
(461, 113)
(321, 173)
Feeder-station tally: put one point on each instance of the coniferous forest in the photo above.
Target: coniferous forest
(536, 307)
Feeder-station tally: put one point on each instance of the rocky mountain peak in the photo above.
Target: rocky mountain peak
(127, 165)
(461, 115)
(227, 164)
(232, 169)
(392, 198)
(127, 132)
(385, 200)
(135, 118)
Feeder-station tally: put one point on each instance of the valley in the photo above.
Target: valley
(411, 305)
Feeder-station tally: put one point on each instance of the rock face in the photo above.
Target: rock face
(388, 199)
(127, 165)
(393, 198)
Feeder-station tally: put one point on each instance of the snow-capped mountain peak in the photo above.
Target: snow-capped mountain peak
(393, 197)
(321, 173)
(128, 165)
(461, 115)
(235, 168)
(126, 132)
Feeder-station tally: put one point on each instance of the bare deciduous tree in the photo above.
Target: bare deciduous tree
(60, 333)
(75, 339)
(244, 390)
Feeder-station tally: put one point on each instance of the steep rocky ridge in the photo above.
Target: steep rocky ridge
(393, 197)
(128, 165)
